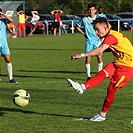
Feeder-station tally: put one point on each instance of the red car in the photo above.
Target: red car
(40, 27)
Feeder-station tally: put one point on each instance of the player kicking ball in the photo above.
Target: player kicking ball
(120, 71)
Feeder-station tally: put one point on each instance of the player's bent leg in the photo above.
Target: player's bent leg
(96, 80)
(109, 70)
(80, 88)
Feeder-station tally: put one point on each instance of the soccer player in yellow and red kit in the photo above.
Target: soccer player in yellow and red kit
(120, 71)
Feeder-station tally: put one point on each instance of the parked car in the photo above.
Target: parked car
(127, 16)
(113, 20)
(40, 27)
(68, 19)
(74, 18)
(81, 15)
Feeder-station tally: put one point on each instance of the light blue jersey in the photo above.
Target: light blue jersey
(4, 50)
(102, 15)
(92, 40)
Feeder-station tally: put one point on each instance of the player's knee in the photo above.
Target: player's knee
(102, 73)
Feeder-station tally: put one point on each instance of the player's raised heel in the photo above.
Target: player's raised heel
(98, 118)
(76, 86)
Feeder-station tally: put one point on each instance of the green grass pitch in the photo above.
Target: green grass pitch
(41, 65)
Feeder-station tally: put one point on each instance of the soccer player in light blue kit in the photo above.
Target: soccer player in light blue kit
(92, 40)
(100, 12)
(4, 50)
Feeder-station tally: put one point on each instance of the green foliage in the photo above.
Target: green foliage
(41, 65)
(77, 6)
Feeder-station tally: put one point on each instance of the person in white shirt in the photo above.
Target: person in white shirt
(34, 19)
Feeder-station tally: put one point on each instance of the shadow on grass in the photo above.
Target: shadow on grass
(32, 49)
(3, 110)
(52, 72)
(40, 71)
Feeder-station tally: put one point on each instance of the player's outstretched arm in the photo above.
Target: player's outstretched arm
(94, 52)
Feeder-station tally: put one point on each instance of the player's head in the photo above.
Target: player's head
(0, 10)
(92, 9)
(101, 26)
(100, 10)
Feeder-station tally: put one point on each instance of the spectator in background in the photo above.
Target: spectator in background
(21, 22)
(63, 30)
(4, 49)
(100, 12)
(11, 28)
(35, 18)
(132, 24)
(57, 19)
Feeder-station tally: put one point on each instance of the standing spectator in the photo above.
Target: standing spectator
(35, 18)
(21, 22)
(92, 40)
(57, 19)
(132, 24)
(4, 50)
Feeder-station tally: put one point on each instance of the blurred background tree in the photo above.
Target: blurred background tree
(76, 6)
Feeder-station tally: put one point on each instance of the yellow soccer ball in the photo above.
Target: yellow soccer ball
(21, 98)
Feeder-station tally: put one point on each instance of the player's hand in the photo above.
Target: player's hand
(75, 56)
(85, 36)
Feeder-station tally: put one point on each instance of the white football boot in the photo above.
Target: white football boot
(98, 118)
(76, 86)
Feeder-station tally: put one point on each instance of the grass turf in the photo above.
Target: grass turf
(41, 65)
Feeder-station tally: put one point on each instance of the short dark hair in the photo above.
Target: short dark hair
(91, 5)
(0, 10)
(101, 20)
(100, 7)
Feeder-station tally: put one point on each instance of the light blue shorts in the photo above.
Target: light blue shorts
(4, 49)
(89, 46)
